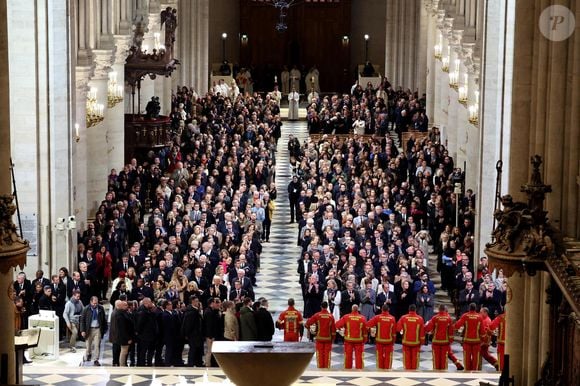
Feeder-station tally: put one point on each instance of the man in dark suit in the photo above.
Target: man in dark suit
(348, 297)
(40, 279)
(217, 289)
(77, 284)
(467, 296)
(213, 328)
(191, 330)
(59, 291)
(237, 294)
(386, 296)
(264, 322)
(122, 265)
(246, 283)
(23, 288)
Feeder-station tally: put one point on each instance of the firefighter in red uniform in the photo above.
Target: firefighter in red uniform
(474, 330)
(486, 340)
(290, 321)
(385, 336)
(413, 330)
(441, 325)
(325, 332)
(499, 323)
(355, 336)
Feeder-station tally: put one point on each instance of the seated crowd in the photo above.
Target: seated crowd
(180, 224)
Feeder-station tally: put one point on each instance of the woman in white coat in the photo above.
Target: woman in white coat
(332, 296)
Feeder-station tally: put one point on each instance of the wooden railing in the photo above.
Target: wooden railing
(142, 135)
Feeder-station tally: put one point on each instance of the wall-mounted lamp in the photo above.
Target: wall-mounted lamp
(244, 39)
(345, 40)
(77, 137)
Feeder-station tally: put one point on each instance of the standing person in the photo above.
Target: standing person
(295, 79)
(312, 294)
(413, 330)
(355, 336)
(231, 324)
(212, 327)
(441, 327)
(499, 323)
(293, 102)
(486, 340)
(93, 326)
(294, 188)
(290, 321)
(285, 78)
(191, 330)
(121, 333)
(248, 328)
(425, 303)
(146, 331)
(269, 208)
(264, 322)
(324, 331)
(384, 325)
(473, 331)
(167, 332)
(71, 315)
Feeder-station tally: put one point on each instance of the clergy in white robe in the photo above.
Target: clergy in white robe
(293, 101)
(285, 78)
(295, 79)
(276, 95)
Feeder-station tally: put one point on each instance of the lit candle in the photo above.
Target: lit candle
(275, 78)
(76, 130)
(476, 97)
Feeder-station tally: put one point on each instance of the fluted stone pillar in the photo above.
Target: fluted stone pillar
(97, 136)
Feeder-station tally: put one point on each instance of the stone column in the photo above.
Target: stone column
(200, 51)
(97, 135)
(80, 149)
(12, 248)
(515, 316)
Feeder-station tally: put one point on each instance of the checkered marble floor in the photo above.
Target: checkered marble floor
(184, 376)
(277, 281)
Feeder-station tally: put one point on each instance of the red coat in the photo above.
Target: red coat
(413, 327)
(499, 322)
(442, 327)
(325, 326)
(354, 327)
(386, 327)
(474, 327)
(104, 264)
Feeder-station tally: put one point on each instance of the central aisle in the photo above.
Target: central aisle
(278, 277)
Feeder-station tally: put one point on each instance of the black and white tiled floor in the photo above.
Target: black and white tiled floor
(277, 281)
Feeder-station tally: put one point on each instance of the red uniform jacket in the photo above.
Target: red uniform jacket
(474, 329)
(325, 326)
(486, 337)
(355, 327)
(386, 328)
(442, 327)
(413, 327)
(290, 320)
(499, 322)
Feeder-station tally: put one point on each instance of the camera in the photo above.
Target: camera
(72, 222)
(60, 224)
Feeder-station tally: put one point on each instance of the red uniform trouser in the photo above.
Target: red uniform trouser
(500, 352)
(452, 357)
(323, 350)
(484, 351)
(471, 355)
(384, 356)
(440, 352)
(358, 349)
(411, 357)
(291, 336)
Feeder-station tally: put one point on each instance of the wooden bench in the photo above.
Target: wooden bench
(419, 136)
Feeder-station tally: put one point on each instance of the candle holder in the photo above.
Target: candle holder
(114, 91)
(95, 111)
(453, 80)
(77, 137)
(445, 64)
(474, 115)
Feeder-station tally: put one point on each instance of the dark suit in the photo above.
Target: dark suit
(221, 292)
(467, 297)
(146, 332)
(24, 290)
(191, 330)
(235, 297)
(346, 302)
(264, 324)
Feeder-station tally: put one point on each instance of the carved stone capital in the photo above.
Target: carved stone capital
(122, 44)
(12, 248)
(83, 75)
(104, 59)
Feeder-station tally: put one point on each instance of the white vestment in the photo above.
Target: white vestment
(293, 100)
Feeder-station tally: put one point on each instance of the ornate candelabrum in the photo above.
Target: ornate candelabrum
(114, 91)
(95, 111)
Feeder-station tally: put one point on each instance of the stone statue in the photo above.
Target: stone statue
(153, 108)
(169, 18)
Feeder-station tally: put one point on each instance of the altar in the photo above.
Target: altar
(263, 363)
